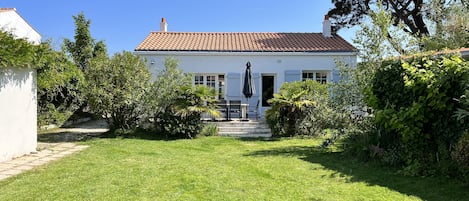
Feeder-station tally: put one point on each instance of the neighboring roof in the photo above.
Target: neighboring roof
(244, 42)
(7, 9)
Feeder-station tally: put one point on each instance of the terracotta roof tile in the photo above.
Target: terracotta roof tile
(243, 42)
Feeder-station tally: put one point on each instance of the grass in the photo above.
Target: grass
(215, 168)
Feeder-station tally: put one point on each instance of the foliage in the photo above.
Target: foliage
(59, 88)
(291, 105)
(209, 130)
(84, 48)
(17, 53)
(404, 26)
(59, 82)
(374, 38)
(462, 114)
(451, 28)
(414, 100)
(412, 13)
(116, 88)
(350, 117)
(460, 154)
(175, 106)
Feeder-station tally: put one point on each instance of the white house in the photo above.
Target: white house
(18, 105)
(219, 59)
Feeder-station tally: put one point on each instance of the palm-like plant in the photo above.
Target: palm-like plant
(197, 100)
(290, 102)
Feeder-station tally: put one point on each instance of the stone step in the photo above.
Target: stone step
(244, 129)
(251, 128)
(238, 124)
(242, 134)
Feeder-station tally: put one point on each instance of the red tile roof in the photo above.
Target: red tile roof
(244, 42)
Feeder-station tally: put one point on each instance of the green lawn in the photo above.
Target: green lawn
(215, 168)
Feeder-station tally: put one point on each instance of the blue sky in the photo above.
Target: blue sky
(124, 24)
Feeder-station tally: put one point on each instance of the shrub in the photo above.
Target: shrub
(209, 130)
(415, 102)
(292, 104)
(175, 106)
(460, 154)
(116, 89)
(59, 88)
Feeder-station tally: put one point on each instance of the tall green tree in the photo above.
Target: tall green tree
(84, 48)
(116, 88)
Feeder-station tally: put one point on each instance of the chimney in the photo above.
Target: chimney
(163, 25)
(326, 27)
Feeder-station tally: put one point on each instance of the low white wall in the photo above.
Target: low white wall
(18, 112)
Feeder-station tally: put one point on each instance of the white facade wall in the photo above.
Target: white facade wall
(278, 64)
(18, 112)
(12, 22)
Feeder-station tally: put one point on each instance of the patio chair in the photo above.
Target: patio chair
(223, 108)
(253, 109)
(235, 108)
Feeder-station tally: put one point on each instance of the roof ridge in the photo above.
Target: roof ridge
(244, 42)
(194, 32)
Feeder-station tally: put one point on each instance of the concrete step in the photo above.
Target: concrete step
(247, 135)
(244, 129)
(251, 128)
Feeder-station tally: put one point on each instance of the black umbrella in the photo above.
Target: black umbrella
(248, 87)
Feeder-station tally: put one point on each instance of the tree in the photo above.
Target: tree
(59, 87)
(422, 19)
(452, 29)
(84, 47)
(352, 12)
(119, 97)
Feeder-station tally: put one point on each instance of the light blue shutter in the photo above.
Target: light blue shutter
(233, 85)
(256, 77)
(292, 75)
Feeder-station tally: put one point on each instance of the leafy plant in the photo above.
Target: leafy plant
(209, 130)
(175, 106)
(120, 96)
(415, 102)
(291, 104)
(460, 154)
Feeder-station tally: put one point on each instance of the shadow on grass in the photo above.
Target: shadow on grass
(430, 188)
(67, 136)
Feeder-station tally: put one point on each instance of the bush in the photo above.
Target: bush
(460, 154)
(294, 102)
(59, 87)
(415, 101)
(209, 130)
(116, 89)
(175, 106)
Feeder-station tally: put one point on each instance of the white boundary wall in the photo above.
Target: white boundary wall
(18, 112)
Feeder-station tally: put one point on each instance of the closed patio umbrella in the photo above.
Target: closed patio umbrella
(248, 86)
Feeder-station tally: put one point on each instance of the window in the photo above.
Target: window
(198, 80)
(319, 76)
(211, 81)
(217, 81)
